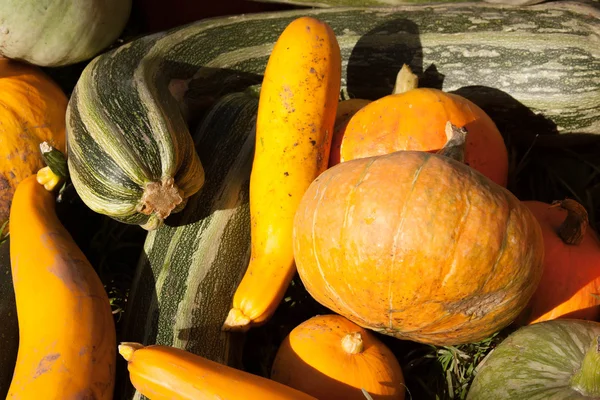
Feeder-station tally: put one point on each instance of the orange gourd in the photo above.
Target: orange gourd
(67, 338)
(168, 373)
(418, 246)
(415, 119)
(346, 109)
(32, 110)
(330, 357)
(570, 285)
(296, 113)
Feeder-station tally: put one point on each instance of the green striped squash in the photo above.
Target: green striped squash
(9, 328)
(390, 3)
(551, 360)
(130, 154)
(191, 266)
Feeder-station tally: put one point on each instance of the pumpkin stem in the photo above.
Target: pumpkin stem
(587, 380)
(573, 228)
(455, 146)
(405, 80)
(352, 343)
(159, 200)
(126, 349)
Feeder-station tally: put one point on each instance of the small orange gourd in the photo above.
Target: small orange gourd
(168, 373)
(294, 125)
(330, 357)
(415, 118)
(32, 110)
(570, 285)
(67, 338)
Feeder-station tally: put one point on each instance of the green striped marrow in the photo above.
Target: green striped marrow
(9, 326)
(191, 266)
(130, 158)
(551, 360)
(382, 3)
(132, 103)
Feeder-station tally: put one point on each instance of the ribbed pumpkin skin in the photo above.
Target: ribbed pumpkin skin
(191, 266)
(32, 110)
(418, 246)
(72, 31)
(415, 120)
(536, 362)
(571, 281)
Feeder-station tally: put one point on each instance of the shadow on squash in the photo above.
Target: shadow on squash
(9, 328)
(136, 315)
(374, 63)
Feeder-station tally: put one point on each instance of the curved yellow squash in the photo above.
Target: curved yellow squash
(294, 127)
(67, 339)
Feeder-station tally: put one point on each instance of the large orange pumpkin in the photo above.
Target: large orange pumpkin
(418, 246)
(330, 357)
(415, 120)
(570, 285)
(32, 110)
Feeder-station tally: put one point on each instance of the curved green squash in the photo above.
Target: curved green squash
(131, 159)
(551, 360)
(53, 33)
(191, 266)
(9, 326)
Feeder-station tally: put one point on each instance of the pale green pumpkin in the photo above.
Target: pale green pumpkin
(59, 32)
(551, 360)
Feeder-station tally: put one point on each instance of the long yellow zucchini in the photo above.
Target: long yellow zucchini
(296, 113)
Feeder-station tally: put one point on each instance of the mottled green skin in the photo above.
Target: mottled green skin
(536, 363)
(189, 270)
(375, 3)
(9, 326)
(59, 32)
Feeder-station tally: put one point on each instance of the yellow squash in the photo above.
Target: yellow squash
(169, 373)
(67, 339)
(296, 114)
(32, 110)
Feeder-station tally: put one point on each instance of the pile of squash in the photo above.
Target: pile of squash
(394, 212)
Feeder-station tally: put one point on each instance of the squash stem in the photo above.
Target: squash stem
(352, 343)
(455, 146)
(573, 228)
(405, 80)
(159, 200)
(587, 380)
(126, 349)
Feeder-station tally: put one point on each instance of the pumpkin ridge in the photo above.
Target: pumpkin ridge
(458, 232)
(334, 297)
(503, 245)
(426, 157)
